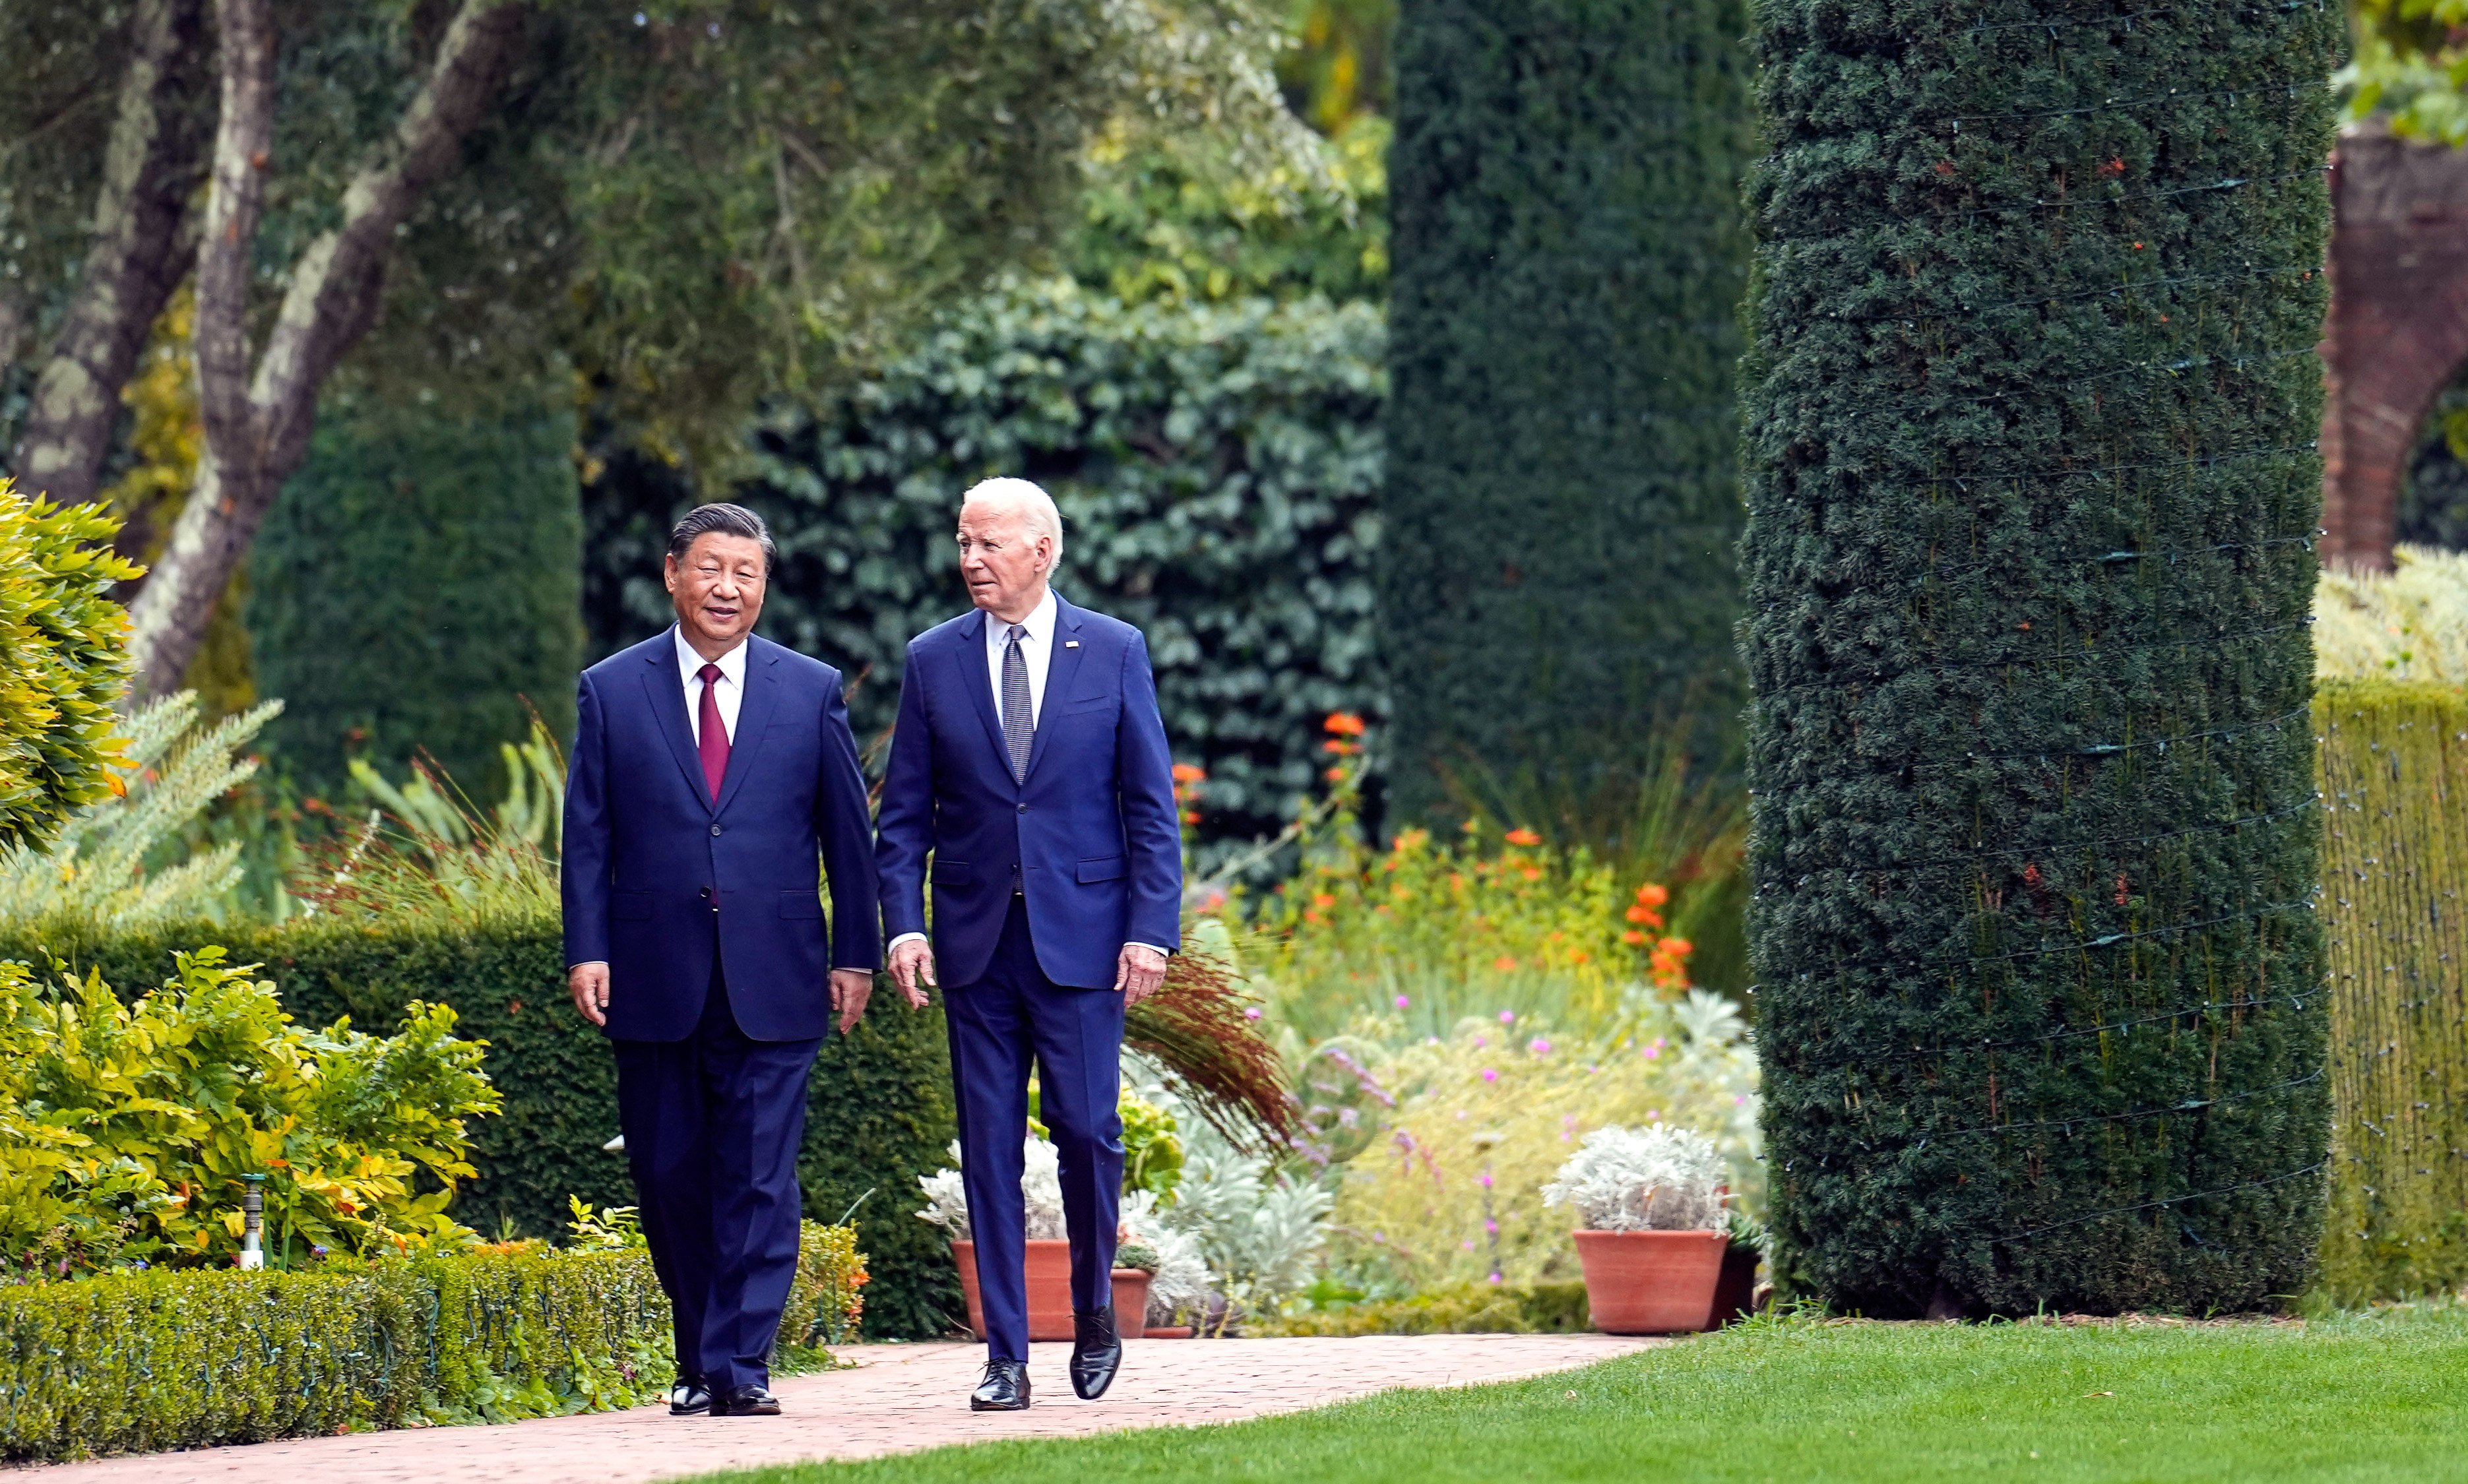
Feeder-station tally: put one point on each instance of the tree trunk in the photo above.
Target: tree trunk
(257, 424)
(139, 255)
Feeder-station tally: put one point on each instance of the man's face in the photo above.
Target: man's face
(1003, 561)
(718, 588)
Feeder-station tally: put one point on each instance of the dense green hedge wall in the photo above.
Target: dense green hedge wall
(1216, 466)
(145, 1361)
(2394, 766)
(1562, 498)
(2030, 412)
(879, 1113)
(416, 583)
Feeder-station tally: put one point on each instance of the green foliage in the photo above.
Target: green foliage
(2394, 769)
(878, 1110)
(2411, 67)
(107, 868)
(1215, 466)
(1176, 220)
(1337, 71)
(416, 587)
(147, 1361)
(435, 855)
(2030, 417)
(1452, 1309)
(65, 668)
(1152, 1153)
(1560, 500)
(2408, 624)
(129, 1126)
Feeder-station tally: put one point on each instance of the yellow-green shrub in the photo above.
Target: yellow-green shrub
(125, 1128)
(2394, 778)
(63, 662)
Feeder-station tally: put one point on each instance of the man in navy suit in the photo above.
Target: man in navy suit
(712, 771)
(1030, 763)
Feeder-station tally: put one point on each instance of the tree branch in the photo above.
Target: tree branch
(138, 256)
(257, 425)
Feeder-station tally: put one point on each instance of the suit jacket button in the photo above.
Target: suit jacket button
(1023, 809)
(714, 829)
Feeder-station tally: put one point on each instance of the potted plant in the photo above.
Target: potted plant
(1048, 1256)
(1651, 1230)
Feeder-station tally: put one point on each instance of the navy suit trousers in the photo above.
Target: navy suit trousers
(996, 1025)
(719, 1112)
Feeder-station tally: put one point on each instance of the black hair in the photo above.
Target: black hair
(728, 520)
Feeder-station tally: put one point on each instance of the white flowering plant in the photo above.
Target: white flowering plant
(1655, 1179)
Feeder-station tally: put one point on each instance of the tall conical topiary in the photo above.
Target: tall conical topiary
(2030, 410)
(1562, 499)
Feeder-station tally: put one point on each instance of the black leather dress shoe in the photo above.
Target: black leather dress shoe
(1005, 1388)
(688, 1398)
(1096, 1352)
(744, 1402)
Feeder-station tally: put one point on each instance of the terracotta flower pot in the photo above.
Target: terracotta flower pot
(1049, 1292)
(1735, 1293)
(1652, 1282)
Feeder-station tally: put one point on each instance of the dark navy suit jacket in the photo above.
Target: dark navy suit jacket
(657, 877)
(1089, 837)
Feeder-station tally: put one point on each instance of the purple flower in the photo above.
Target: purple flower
(1652, 1053)
(1653, 1115)
(1492, 1227)
(1488, 1075)
(1508, 1018)
(1494, 1277)
(1252, 1013)
(1402, 1001)
(1481, 1041)
(1468, 1244)
(1739, 1100)
(1540, 1047)
(1485, 1180)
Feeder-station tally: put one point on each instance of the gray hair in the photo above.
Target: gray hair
(724, 520)
(1036, 507)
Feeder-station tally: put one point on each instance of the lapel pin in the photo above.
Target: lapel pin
(1071, 644)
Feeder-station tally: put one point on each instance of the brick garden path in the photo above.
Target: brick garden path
(900, 1398)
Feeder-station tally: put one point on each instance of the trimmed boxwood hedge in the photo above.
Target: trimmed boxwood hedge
(144, 1362)
(878, 1112)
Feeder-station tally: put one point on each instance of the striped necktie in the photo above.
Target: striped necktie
(1019, 723)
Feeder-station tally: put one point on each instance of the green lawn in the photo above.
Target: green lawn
(2381, 1395)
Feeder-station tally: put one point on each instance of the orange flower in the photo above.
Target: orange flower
(1336, 775)
(1189, 773)
(1677, 948)
(1651, 895)
(1504, 964)
(1342, 749)
(1521, 835)
(1344, 723)
(1645, 915)
(1323, 900)
(1632, 938)
(1191, 816)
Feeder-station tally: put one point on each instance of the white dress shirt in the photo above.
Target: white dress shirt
(1036, 652)
(732, 685)
(1036, 648)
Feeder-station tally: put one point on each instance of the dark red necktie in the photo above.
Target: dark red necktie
(715, 735)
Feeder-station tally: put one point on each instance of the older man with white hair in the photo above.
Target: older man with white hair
(1030, 764)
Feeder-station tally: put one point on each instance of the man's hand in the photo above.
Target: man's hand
(850, 989)
(912, 969)
(589, 983)
(1137, 972)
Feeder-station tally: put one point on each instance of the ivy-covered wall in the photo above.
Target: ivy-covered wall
(1216, 466)
(1562, 501)
(2030, 417)
(415, 584)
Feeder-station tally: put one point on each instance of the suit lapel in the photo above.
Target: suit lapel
(666, 691)
(754, 710)
(1061, 667)
(978, 680)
